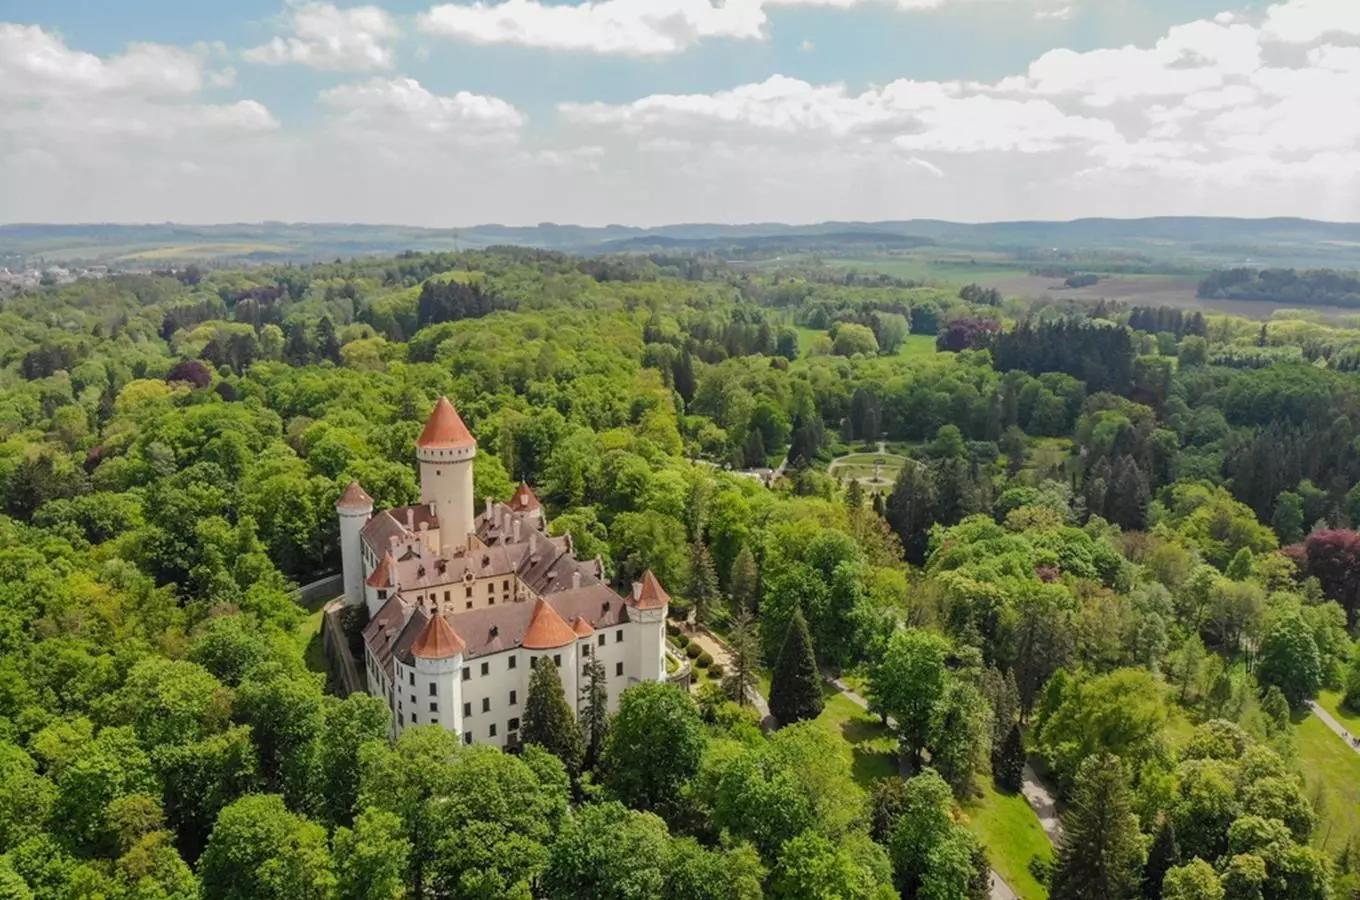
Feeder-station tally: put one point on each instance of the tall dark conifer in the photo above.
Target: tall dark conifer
(548, 721)
(796, 689)
(1102, 852)
(594, 709)
(1163, 856)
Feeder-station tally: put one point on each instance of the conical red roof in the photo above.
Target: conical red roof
(651, 595)
(438, 641)
(524, 499)
(354, 497)
(547, 630)
(581, 627)
(383, 572)
(445, 429)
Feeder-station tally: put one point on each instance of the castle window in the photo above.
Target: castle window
(414, 720)
(490, 587)
(505, 585)
(434, 707)
(434, 689)
(513, 725)
(618, 636)
(413, 678)
(469, 604)
(492, 731)
(514, 697)
(467, 737)
(467, 674)
(382, 593)
(401, 719)
(469, 590)
(467, 710)
(602, 637)
(557, 660)
(486, 668)
(486, 704)
(618, 669)
(513, 661)
(446, 596)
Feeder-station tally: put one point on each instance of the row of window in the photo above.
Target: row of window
(512, 727)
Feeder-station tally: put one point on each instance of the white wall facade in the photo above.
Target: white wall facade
(446, 481)
(352, 521)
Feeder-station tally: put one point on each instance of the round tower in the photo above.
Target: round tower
(445, 450)
(437, 661)
(354, 508)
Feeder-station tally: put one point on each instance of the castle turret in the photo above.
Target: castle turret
(650, 602)
(445, 450)
(354, 509)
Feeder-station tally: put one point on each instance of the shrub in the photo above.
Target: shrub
(716, 671)
(682, 640)
(1041, 869)
(703, 661)
(672, 629)
(693, 651)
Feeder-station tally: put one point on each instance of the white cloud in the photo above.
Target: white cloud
(1305, 21)
(38, 64)
(624, 27)
(382, 108)
(1056, 14)
(325, 37)
(634, 27)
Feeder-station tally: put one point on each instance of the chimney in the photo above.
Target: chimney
(410, 519)
(576, 579)
(431, 506)
(488, 509)
(515, 527)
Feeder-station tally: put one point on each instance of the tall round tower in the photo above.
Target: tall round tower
(354, 509)
(445, 450)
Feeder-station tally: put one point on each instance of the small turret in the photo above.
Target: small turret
(445, 450)
(354, 508)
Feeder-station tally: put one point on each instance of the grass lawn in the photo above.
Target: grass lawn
(309, 638)
(1332, 772)
(1331, 701)
(873, 749)
(918, 346)
(1010, 831)
(806, 338)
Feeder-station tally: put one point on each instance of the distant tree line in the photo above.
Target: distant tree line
(1305, 288)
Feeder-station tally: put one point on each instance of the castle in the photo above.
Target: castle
(462, 605)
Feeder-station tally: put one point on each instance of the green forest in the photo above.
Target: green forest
(1116, 550)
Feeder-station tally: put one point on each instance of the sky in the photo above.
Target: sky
(450, 113)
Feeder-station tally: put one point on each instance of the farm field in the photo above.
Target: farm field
(959, 271)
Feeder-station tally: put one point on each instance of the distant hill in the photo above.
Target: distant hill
(1213, 242)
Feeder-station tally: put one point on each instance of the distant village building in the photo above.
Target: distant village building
(463, 603)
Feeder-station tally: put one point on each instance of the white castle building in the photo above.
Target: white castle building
(463, 604)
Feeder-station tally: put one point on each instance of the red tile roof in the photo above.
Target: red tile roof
(354, 497)
(445, 429)
(547, 630)
(383, 572)
(438, 641)
(581, 627)
(524, 499)
(651, 595)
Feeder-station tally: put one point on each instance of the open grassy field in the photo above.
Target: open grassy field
(1331, 701)
(1010, 831)
(873, 749)
(861, 466)
(918, 346)
(1332, 772)
(204, 251)
(980, 269)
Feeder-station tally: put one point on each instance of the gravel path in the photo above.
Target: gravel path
(718, 651)
(1042, 801)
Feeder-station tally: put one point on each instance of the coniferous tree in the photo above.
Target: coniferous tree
(754, 452)
(796, 689)
(548, 721)
(745, 652)
(327, 344)
(594, 709)
(744, 579)
(854, 495)
(1009, 762)
(1102, 852)
(703, 581)
(1163, 856)
(910, 510)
